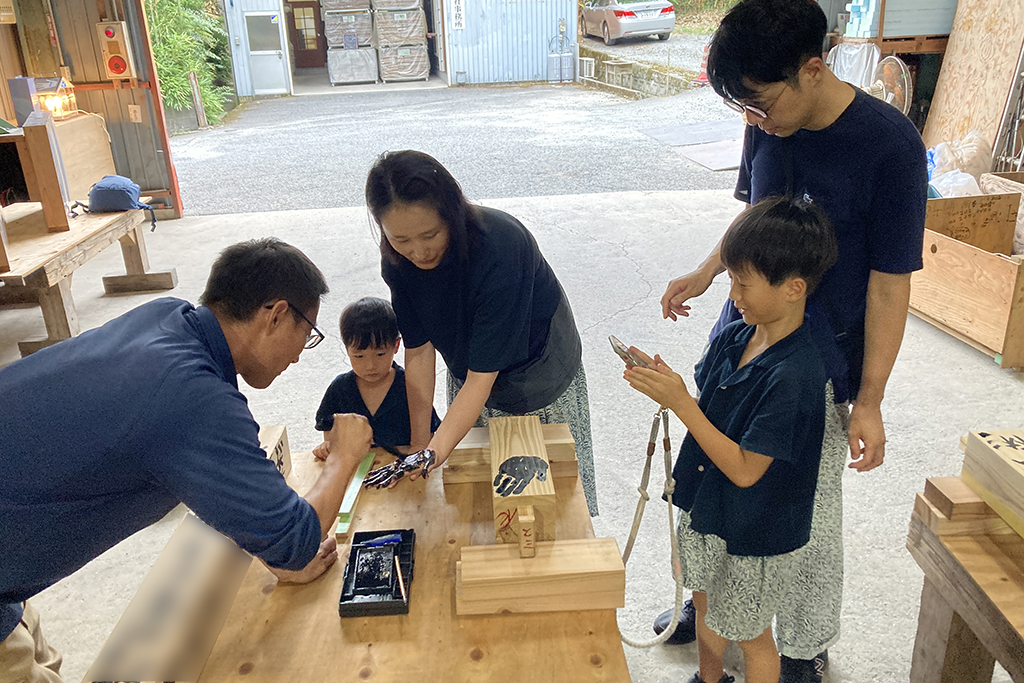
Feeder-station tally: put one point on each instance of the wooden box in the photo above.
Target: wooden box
(970, 285)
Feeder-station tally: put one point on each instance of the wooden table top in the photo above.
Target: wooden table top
(40, 259)
(293, 633)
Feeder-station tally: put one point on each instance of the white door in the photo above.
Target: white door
(439, 30)
(267, 60)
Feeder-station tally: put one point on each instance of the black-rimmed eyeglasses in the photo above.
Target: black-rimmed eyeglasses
(756, 111)
(315, 336)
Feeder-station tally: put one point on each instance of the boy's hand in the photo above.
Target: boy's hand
(660, 382)
(351, 437)
(322, 451)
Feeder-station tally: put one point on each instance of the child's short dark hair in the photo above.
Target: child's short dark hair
(369, 323)
(780, 238)
(764, 41)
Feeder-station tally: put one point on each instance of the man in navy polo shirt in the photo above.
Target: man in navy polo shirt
(809, 134)
(105, 433)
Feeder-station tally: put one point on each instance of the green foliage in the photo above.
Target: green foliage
(189, 35)
(695, 6)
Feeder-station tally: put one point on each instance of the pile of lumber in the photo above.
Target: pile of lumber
(994, 470)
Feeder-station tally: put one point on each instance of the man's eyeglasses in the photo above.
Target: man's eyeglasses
(756, 111)
(315, 336)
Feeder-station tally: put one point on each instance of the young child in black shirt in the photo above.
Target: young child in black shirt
(375, 387)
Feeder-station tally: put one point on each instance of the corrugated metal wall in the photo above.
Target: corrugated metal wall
(136, 147)
(505, 41)
(234, 13)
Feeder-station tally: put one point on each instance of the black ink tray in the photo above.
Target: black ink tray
(372, 587)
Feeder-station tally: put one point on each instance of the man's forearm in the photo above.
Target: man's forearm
(419, 389)
(884, 322)
(329, 490)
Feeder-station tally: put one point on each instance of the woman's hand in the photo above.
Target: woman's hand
(659, 382)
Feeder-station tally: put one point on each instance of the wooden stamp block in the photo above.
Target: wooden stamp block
(570, 575)
(274, 440)
(994, 469)
(470, 462)
(521, 476)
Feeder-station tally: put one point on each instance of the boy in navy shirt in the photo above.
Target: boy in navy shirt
(375, 387)
(746, 473)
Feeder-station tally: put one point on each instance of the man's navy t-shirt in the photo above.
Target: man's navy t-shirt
(390, 423)
(867, 171)
(105, 433)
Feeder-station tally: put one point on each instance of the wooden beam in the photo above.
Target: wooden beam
(48, 168)
(470, 462)
(991, 524)
(570, 575)
(139, 278)
(954, 498)
(993, 470)
(59, 315)
(520, 476)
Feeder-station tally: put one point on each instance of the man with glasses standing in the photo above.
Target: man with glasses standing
(105, 433)
(810, 134)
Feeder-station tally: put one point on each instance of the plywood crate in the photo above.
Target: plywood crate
(397, 4)
(337, 24)
(970, 285)
(406, 63)
(407, 27)
(352, 66)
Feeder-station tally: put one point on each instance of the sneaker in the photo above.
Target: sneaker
(686, 629)
(726, 678)
(804, 670)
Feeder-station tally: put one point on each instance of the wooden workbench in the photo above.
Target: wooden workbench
(972, 604)
(285, 632)
(42, 263)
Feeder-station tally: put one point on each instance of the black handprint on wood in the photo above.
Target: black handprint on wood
(516, 473)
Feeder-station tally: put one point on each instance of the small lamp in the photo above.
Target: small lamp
(57, 96)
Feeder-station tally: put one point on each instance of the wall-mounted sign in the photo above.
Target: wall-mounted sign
(458, 15)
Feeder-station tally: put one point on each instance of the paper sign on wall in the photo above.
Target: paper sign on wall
(458, 15)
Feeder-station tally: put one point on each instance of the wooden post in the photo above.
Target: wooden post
(946, 649)
(197, 100)
(41, 139)
(59, 315)
(520, 476)
(136, 264)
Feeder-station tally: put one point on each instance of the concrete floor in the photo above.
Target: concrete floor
(614, 253)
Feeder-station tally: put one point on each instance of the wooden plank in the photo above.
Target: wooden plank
(478, 473)
(563, 576)
(85, 150)
(1013, 342)
(475, 447)
(982, 579)
(293, 633)
(521, 476)
(347, 512)
(954, 498)
(524, 529)
(993, 469)
(59, 315)
(171, 625)
(984, 221)
(946, 649)
(988, 524)
(965, 288)
(968, 97)
(274, 441)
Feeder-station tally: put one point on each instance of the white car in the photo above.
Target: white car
(614, 19)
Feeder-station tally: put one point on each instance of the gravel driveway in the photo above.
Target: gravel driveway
(682, 50)
(314, 151)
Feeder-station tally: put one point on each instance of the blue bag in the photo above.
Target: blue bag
(117, 193)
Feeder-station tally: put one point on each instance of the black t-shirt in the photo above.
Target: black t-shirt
(391, 421)
(774, 405)
(503, 310)
(867, 171)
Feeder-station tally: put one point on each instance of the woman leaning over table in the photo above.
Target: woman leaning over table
(470, 282)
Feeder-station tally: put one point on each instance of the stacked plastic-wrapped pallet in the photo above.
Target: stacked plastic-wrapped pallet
(863, 19)
(400, 27)
(348, 27)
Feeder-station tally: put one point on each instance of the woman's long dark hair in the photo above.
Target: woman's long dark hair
(411, 177)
